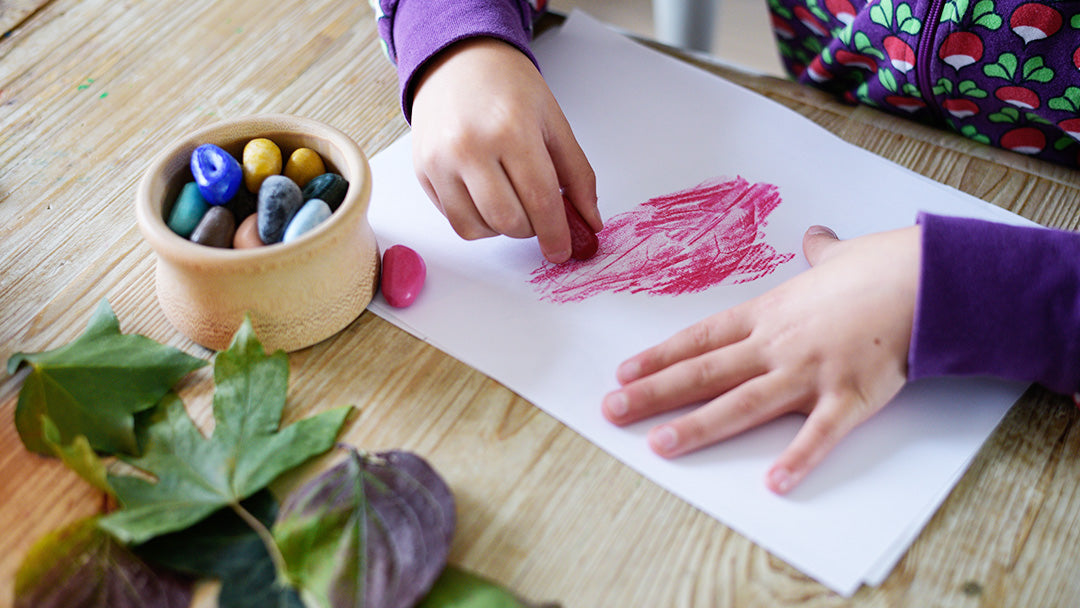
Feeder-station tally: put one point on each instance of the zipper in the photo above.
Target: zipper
(924, 57)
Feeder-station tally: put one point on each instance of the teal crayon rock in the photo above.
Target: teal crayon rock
(188, 209)
(313, 213)
(329, 188)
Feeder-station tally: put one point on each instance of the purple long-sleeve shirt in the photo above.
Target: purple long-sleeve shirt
(994, 299)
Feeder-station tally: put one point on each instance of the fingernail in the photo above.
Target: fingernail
(781, 480)
(628, 371)
(815, 230)
(664, 439)
(616, 405)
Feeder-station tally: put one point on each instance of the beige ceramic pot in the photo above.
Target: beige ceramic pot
(297, 293)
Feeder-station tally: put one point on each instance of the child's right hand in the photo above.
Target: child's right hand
(492, 148)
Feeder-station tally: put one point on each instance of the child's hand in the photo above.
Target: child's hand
(831, 343)
(492, 148)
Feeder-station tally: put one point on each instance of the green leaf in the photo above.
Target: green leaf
(908, 24)
(972, 133)
(80, 566)
(1075, 22)
(94, 385)
(944, 86)
(985, 15)
(78, 456)
(1005, 114)
(1068, 102)
(1004, 67)
(1063, 142)
(954, 10)
(911, 90)
(971, 89)
(1032, 65)
(1035, 118)
(195, 476)
(887, 79)
(881, 13)
(373, 532)
(458, 588)
(224, 546)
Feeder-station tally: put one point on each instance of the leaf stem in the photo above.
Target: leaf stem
(264, 534)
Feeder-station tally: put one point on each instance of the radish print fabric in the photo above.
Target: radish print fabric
(1001, 72)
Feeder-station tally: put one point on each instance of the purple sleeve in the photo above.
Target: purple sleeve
(997, 300)
(414, 31)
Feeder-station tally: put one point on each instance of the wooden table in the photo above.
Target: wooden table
(89, 89)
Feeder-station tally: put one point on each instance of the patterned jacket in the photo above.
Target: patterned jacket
(1001, 72)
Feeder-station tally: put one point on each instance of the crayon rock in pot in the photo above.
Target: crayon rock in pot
(188, 209)
(313, 213)
(216, 172)
(303, 166)
(328, 187)
(279, 199)
(216, 228)
(247, 234)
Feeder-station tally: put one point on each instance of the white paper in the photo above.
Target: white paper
(650, 126)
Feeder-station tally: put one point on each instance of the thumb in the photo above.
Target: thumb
(818, 244)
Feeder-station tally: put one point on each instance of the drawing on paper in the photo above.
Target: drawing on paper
(684, 242)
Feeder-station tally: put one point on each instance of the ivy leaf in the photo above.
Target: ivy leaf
(373, 531)
(195, 475)
(224, 546)
(81, 566)
(94, 385)
(78, 456)
(457, 588)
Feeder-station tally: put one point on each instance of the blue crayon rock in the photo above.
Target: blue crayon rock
(313, 213)
(187, 210)
(279, 200)
(216, 172)
(329, 188)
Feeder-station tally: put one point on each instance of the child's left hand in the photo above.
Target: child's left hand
(831, 343)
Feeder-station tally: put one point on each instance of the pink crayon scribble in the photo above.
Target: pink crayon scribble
(684, 242)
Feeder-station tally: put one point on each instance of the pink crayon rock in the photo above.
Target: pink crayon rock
(403, 274)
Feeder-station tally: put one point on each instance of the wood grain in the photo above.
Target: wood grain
(90, 89)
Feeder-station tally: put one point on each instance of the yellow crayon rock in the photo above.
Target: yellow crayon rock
(304, 164)
(262, 158)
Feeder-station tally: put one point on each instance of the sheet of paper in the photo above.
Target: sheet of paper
(653, 126)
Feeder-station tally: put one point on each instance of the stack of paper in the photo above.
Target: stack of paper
(652, 126)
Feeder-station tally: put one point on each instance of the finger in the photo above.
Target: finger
(459, 209)
(425, 183)
(714, 332)
(537, 187)
(749, 405)
(575, 174)
(497, 202)
(818, 244)
(683, 383)
(831, 419)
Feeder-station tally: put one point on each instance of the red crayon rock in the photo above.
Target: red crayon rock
(403, 274)
(583, 241)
